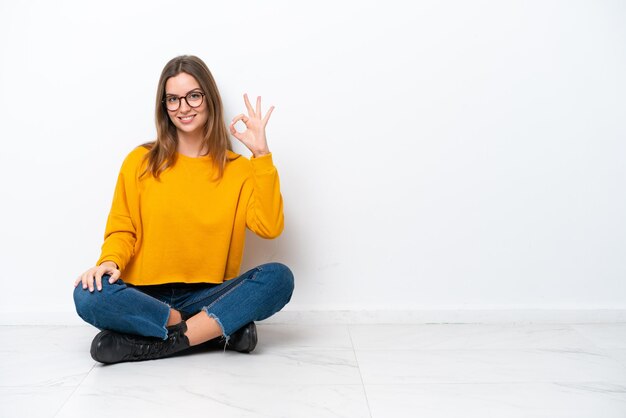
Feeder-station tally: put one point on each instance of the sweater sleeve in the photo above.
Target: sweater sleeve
(121, 234)
(264, 214)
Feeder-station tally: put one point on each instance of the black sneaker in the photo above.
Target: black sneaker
(243, 340)
(113, 347)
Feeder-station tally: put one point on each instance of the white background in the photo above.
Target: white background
(432, 155)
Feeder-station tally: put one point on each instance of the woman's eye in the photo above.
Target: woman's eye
(172, 99)
(195, 96)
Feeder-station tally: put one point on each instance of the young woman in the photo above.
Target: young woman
(168, 274)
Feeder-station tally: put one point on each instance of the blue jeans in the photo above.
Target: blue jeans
(144, 310)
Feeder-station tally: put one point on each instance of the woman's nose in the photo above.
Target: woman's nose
(184, 106)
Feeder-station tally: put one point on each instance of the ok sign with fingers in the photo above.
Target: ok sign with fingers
(254, 136)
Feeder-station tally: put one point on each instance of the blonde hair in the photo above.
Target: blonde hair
(162, 152)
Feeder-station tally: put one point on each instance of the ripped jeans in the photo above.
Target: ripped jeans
(144, 310)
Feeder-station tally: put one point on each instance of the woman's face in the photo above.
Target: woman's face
(186, 118)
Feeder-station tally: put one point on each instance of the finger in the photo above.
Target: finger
(258, 106)
(90, 281)
(267, 117)
(99, 281)
(84, 280)
(248, 105)
(235, 120)
(240, 117)
(114, 276)
(77, 281)
(236, 134)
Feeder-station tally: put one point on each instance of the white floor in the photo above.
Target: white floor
(449, 370)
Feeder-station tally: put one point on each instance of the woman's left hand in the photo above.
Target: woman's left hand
(254, 136)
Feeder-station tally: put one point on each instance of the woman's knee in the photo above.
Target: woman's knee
(281, 277)
(86, 301)
(82, 300)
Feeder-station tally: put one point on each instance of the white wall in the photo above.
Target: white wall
(432, 155)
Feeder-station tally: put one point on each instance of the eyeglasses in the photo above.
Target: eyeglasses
(193, 99)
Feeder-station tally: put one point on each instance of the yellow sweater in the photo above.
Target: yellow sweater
(187, 227)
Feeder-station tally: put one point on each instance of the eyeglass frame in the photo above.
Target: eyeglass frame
(183, 97)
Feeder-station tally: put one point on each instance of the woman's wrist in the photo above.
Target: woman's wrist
(110, 263)
(260, 153)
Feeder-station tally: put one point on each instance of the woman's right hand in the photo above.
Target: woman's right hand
(87, 278)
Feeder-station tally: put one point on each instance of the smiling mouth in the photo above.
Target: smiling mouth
(186, 118)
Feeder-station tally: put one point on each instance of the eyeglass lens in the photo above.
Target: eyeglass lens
(193, 99)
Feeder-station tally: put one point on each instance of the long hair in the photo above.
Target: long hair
(162, 152)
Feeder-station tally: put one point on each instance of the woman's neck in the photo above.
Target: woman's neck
(190, 146)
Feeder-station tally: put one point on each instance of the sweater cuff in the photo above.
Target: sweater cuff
(114, 259)
(262, 163)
